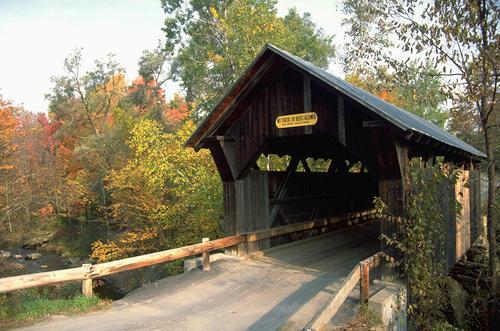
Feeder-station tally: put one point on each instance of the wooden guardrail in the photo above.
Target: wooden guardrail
(360, 273)
(87, 272)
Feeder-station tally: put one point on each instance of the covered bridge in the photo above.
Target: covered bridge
(285, 106)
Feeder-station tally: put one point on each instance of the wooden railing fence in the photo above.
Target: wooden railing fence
(360, 273)
(87, 272)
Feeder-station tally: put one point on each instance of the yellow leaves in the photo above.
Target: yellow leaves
(166, 195)
(134, 237)
(214, 13)
(102, 252)
(215, 58)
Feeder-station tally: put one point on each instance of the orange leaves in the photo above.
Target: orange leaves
(389, 96)
(8, 122)
(8, 127)
(150, 87)
(176, 111)
(46, 211)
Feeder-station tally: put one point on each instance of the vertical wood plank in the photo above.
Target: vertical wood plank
(341, 120)
(364, 282)
(307, 102)
(477, 229)
(463, 220)
(205, 258)
(447, 203)
(87, 281)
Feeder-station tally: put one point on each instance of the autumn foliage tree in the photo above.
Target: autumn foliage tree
(166, 196)
(33, 189)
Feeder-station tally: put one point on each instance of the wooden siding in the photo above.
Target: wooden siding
(246, 208)
(462, 193)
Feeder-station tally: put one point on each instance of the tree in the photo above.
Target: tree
(166, 195)
(146, 92)
(8, 126)
(418, 90)
(461, 37)
(213, 41)
(85, 105)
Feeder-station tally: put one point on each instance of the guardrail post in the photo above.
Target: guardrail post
(364, 282)
(87, 280)
(205, 257)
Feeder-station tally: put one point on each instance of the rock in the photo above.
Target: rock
(74, 260)
(458, 300)
(33, 256)
(4, 254)
(38, 239)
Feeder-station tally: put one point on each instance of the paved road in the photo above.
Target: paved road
(286, 285)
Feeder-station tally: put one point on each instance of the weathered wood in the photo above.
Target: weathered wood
(462, 193)
(376, 259)
(292, 166)
(239, 97)
(307, 101)
(364, 283)
(374, 124)
(341, 120)
(331, 308)
(87, 280)
(88, 272)
(365, 266)
(246, 209)
(13, 283)
(290, 228)
(221, 160)
(477, 229)
(205, 257)
(447, 203)
(131, 263)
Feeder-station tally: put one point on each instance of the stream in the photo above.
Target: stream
(17, 264)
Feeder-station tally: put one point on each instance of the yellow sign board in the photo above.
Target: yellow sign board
(294, 120)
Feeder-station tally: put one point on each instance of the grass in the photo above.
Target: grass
(30, 305)
(366, 319)
(38, 308)
(368, 316)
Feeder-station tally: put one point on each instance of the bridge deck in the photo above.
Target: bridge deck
(288, 283)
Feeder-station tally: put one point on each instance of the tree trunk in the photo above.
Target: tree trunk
(491, 225)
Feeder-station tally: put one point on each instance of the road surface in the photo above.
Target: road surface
(286, 286)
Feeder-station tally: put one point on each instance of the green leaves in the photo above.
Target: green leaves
(420, 238)
(166, 195)
(220, 38)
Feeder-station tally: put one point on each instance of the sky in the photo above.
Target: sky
(37, 35)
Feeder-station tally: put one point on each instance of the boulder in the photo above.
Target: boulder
(458, 300)
(33, 256)
(38, 239)
(4, 255)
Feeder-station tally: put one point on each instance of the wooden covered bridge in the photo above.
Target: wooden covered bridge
(285, 106)
(336, 148)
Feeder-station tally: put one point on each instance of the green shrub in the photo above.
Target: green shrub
(420, 238)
